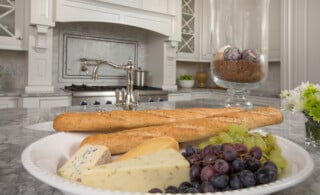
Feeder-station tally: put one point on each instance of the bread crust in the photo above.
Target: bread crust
(186, 131)
(122, 119)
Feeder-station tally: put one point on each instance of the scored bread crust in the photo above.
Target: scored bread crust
(122, 119)
(186, 131)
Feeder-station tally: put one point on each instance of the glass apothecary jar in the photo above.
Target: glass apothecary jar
(239, 34)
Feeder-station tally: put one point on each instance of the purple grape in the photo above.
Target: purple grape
(235, 182)
(190, 150)
(207, 173)
(195, 171)
(229, 155)
(271, 165)
(247, 178)
(207, 187)
(195, 159)
(209, 159)
(221, 166)
(171, 189)
(227, 146)
(266, 175)
(232, 53)
(196, 184)
(209, 149)
(220, 181)
(217, 149)
(183, 187)
(251, 55)
(193, 190)
(155, 190)
(238, 165)
(256, 152)
(241, 148)
(252, 164)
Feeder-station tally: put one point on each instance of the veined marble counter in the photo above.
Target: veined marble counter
(15, 137)
(23, 93)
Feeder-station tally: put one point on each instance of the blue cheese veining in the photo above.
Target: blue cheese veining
(86, 157)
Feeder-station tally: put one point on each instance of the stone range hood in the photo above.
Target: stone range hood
(160, 16)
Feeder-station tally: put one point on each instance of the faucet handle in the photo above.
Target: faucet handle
(118, 100)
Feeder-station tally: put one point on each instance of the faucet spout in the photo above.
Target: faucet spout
(129, 99)
(95, 71)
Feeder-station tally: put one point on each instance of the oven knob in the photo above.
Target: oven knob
(160, 100)
(150, 100)
(96, 103)
(108, 102)
(83, 103)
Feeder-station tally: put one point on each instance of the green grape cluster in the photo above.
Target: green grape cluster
(240, 134)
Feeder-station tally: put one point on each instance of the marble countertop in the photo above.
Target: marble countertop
(16, 135)
(23, 93)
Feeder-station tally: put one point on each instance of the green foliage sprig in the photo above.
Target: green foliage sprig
(304, 98)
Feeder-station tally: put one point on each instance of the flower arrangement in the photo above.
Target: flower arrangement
(304, 98)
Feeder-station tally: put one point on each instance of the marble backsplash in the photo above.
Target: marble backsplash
(101, 32)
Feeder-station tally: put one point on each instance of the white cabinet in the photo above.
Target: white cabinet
(160, 6)
(195, 31)
(9, 102)
(13, 21)
(196, 44)
(300, 42)
(162, 16)
(46, 102)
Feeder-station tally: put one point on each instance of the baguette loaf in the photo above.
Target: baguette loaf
(185, 131)
(121, 119)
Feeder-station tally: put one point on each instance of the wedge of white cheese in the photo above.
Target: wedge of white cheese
(85, 157)
(140, 174)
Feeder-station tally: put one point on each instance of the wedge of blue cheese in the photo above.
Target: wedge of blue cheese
(157, 170)
(85, 157)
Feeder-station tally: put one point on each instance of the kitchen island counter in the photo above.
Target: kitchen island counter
(16, 135)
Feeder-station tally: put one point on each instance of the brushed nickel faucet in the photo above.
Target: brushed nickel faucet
(127, 98)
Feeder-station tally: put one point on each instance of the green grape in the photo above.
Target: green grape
(258, 141)
(249, 142)
(278, 159)
(235, 129)
(276, 149)
(271, 141)
(214, 140)
(203, 144)
(225, 138)
(238, 138)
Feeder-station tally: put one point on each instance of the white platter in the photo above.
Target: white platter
(42, 158)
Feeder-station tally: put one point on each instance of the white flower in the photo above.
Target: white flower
(292, 100)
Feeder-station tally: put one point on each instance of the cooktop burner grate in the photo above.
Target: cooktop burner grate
(83, 87)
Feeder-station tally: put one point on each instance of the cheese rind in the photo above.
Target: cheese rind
(85, 157)
(140, 174)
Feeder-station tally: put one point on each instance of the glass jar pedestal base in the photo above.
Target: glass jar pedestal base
(312, 132)
(238, 98)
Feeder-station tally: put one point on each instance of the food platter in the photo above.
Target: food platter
(42, 158)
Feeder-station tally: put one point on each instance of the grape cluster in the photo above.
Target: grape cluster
(224, 167)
